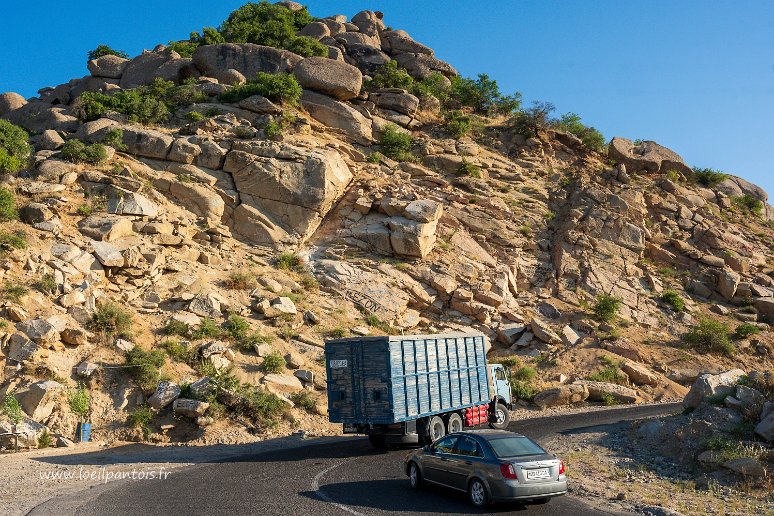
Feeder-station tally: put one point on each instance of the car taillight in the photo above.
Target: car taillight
(508, 471)
(561, 467)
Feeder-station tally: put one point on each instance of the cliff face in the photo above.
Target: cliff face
(236, 247)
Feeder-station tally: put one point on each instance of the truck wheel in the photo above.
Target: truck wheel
(378, 441)
(454, 423)
(501, 417)
(436, 428)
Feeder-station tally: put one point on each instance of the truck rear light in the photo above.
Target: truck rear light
(508, 471)
(561, 467)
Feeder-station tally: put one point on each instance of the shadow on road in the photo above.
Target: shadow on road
(395, 495)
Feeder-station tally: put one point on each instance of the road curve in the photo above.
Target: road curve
(341, 478)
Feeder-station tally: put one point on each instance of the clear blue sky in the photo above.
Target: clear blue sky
(694, 75)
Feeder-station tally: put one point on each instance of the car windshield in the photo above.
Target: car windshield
(515, 447)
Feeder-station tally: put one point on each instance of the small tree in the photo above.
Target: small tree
(80, 400)
(534, 120)
(105, 50)
(12, 409)
(606, 307)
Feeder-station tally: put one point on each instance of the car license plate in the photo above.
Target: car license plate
(535, 474)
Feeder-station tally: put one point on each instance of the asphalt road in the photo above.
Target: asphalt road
(346, 477)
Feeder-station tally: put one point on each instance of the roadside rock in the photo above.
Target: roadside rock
(710, 385)
(562, 395)
(166, 393)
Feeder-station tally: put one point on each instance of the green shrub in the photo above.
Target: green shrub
(277, 126)
(79, 401)
(534, 120)
(46, 284)
(12, 409)
(15, 150)
(149, 104)
(434, 85)
(608, 399)
(7, 206)
(144, 367)
(749, 204)
(591, 138)
(274, 363)
(111, 319)
(458, 124)
(276, 87)
(304, 400)
(175, 327)
(337, 333)
(524, 390)
(711, 336)
(374, 322)
(13, 292)
(239, 280)
(179, 351)
(141, 417)
(390, 75)
(469, 169)
(78, 152)
(525, 373)
(746, 330)
(184, 48)
(45, 440)
(237, 327)
(105, 50)
(115, 138)
(195, 116)
(207, 329)
(708, 177)
(289, 262)
(606, 307)
(483, 95)
(84, 210)
(260, 404)
(609, 374)
(673, 299)
(243, 133)
(730, 449)
(15, 240)
(271, 25)
(396, 144)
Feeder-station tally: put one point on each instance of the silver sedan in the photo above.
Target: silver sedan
(490, 466)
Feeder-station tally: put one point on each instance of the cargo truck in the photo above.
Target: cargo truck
(399, 389)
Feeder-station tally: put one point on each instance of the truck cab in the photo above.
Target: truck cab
(501, 384)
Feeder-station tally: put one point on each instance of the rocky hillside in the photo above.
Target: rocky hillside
(183, 229)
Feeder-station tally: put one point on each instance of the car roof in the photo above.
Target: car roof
(488, 434)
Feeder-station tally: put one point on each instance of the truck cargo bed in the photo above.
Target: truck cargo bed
(386, 380)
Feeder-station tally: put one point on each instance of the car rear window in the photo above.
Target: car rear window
(515, 447)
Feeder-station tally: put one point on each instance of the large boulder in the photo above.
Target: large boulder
(544, 332)
(396, 100)
(397, 42)
(110, 66)
(147, 142)
(197, 198)
(335, 114)
(166, 393)
(148, 66)
(728, 282)
(420, 66)
(39, 330)
(36, 117)
(765, 428)
(712, 385)
(367, 58)
(647, 156)
(765, 307)
(562, 395)
(124, 202)
(10, 101)
(599, 391)
(39, 399)
(334, 78)
(246, 58)
(189, 408)
(106, 227)
(292, 186)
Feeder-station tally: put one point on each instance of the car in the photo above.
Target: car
(490, 466)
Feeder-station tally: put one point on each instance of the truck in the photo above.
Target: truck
(415, 388)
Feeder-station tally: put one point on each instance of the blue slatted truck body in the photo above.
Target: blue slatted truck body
(393, 388)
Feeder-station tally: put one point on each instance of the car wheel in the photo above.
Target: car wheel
(454, 423)
(378, 441)
(477, 493)
(436, 428)
(415, 476)
(502, 417)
